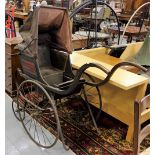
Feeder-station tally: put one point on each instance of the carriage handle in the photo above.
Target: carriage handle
(76, 81)
(108, 72)
(83, 68)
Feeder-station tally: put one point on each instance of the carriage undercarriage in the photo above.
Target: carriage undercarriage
(37, 111)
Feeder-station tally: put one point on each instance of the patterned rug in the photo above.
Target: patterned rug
(84, 140)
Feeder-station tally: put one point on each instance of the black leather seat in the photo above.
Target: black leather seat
(52, 64)
(52, 75)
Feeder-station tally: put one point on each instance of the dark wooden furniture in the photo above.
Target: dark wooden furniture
(125, 16)
(139, 134)
(11, 64)
(79, 41)
(26, 5)
(131, 31)
(132, 5)
(21, 15)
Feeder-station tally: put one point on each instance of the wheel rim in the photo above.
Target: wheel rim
(18, 80)
(16, 109)
(40, 114)
(93, 97)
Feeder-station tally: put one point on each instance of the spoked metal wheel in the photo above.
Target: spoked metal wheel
(16, 109)
(41, 121)
(91, 98)
(14, 102)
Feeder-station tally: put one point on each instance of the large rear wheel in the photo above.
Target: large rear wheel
(41, 121)
(18, 81)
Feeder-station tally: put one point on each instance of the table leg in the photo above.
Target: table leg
(129, 136)
(129, 39)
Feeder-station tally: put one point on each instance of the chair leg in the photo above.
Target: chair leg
(92, 116)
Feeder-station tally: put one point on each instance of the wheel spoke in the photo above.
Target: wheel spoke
(43, 135)
(34, 128)
(27, 122)
(34, 102)
(30, 125)
(46, 136)
(37, 131)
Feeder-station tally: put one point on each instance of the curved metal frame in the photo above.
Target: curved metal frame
(89, 2)
(16, 110)
(99, 95)
(110, 72)
(76, 81)
(59, 130)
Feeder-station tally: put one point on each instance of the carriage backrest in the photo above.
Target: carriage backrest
(59, 59)
(47, 56)
(44, 56)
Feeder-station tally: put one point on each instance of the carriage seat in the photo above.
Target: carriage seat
(52, 64)
(52, 75)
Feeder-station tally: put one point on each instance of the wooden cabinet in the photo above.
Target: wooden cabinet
(138, 3)
(11, 64)
(26, 5)
(132, 5)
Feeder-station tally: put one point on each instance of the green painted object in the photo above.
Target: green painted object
(143, 56)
